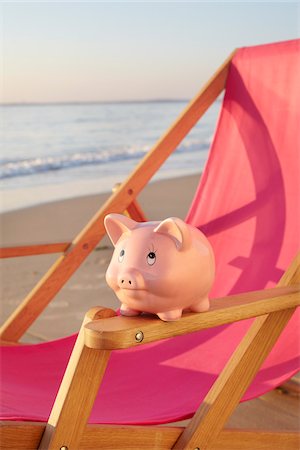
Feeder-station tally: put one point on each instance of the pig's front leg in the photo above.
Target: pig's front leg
(126, 311)
(169, 316)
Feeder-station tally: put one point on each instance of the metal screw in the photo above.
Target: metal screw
(139, 336)
(64, 448)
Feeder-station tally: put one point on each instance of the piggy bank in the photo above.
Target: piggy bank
(161, 268)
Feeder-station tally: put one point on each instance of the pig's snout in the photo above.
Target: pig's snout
(131, 279)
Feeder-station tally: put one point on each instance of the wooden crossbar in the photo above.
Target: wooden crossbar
(30, 250)
(27, 435)
(134, 210)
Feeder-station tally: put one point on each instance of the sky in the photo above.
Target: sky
(112, 51)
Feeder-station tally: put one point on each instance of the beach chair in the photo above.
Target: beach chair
(152, 372)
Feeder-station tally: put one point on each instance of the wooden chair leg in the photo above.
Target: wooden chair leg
(135, 212)
(77, 394)
(224, 396)
(233, 382)
(292, 275)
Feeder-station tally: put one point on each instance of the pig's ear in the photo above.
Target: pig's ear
(116, 225)
(176, 229)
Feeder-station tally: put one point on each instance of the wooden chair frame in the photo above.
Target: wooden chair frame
(102, 333)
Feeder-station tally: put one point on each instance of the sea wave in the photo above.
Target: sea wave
(32, 166)
(39, 165)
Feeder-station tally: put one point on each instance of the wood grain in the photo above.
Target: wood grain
(120, 332)
(220, 402)
(27, 435)
(77, 392)
(233, 382)
(30, 250)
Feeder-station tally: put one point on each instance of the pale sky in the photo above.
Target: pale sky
(102, 51)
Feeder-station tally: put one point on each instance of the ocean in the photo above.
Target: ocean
(56, 151)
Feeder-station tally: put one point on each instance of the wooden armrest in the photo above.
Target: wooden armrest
(125, 332)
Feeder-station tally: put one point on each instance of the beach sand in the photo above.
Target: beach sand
(60, 222)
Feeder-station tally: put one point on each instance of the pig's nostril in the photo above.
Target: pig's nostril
(124, 281)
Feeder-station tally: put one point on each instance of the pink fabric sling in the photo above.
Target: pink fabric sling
(248, 205)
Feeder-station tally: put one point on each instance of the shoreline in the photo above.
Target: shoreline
(15, 199)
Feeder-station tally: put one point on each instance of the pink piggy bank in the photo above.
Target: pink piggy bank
(159, 267)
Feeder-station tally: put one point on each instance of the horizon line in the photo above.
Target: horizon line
(96, 102)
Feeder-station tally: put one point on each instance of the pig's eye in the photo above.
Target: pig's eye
(121, 255)
(151, 258)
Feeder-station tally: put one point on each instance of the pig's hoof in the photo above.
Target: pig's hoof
(201, 306)
(169, 316)
(126, 311)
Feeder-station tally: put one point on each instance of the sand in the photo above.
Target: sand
(60, 222)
